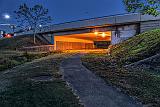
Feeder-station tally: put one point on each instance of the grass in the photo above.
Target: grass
(10, 59)
(18, 42)
(142, 83)
(137, 48)
(32, 79)
(25, 91)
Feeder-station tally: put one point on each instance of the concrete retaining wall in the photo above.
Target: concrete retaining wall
(123, 32)
(149, 25)
(42, 48)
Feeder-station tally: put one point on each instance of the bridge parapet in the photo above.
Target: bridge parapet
(96, 22)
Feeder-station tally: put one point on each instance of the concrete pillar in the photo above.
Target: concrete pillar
(122, 33)
(115, 38)
(52, 39)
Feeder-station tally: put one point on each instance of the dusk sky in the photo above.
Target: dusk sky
(65, 10)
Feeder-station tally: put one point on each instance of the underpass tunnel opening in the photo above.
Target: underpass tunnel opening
(94, 40)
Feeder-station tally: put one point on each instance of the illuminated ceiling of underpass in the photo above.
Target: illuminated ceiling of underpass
(97, 36)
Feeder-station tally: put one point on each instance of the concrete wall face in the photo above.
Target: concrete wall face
(49, 38)
(149, 25)
(67, 43)
(123, 32)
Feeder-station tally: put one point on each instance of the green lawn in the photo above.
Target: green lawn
(137, 48)
(18, 42)
(21, 88)
(10, 58)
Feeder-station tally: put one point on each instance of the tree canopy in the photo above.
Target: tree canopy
(150, 7)
(32, 16)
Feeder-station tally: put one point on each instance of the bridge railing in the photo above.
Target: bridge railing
(42, 48)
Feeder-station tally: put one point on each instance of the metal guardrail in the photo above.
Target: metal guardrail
(42, 48)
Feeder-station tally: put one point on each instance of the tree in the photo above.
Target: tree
(149, 7)
(32, 17)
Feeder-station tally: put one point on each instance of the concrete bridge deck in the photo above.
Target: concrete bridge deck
(77, 33)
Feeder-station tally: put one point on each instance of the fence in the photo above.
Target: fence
(42, 48)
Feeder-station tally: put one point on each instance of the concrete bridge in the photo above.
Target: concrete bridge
(96, 32)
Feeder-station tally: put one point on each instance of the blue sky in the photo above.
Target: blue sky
(66, 10)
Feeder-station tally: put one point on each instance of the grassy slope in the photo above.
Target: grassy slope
(17, 89)
(23, 91)
(137, 48)
(10, 58)
(143, 84)
(18, 42)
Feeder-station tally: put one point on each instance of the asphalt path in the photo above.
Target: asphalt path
(91, 89)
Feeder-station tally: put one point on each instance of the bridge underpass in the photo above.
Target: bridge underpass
(80, 34)
(94, 40)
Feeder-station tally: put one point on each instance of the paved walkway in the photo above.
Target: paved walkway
(92, 90)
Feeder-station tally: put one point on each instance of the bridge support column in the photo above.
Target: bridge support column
(52, 39)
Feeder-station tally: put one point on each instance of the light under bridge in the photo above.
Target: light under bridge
(96, 32)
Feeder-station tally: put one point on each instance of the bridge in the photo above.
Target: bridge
(96, 32)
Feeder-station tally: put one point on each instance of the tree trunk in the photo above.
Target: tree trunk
(34, 38)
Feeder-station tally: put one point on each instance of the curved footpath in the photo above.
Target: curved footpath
(92, 90)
